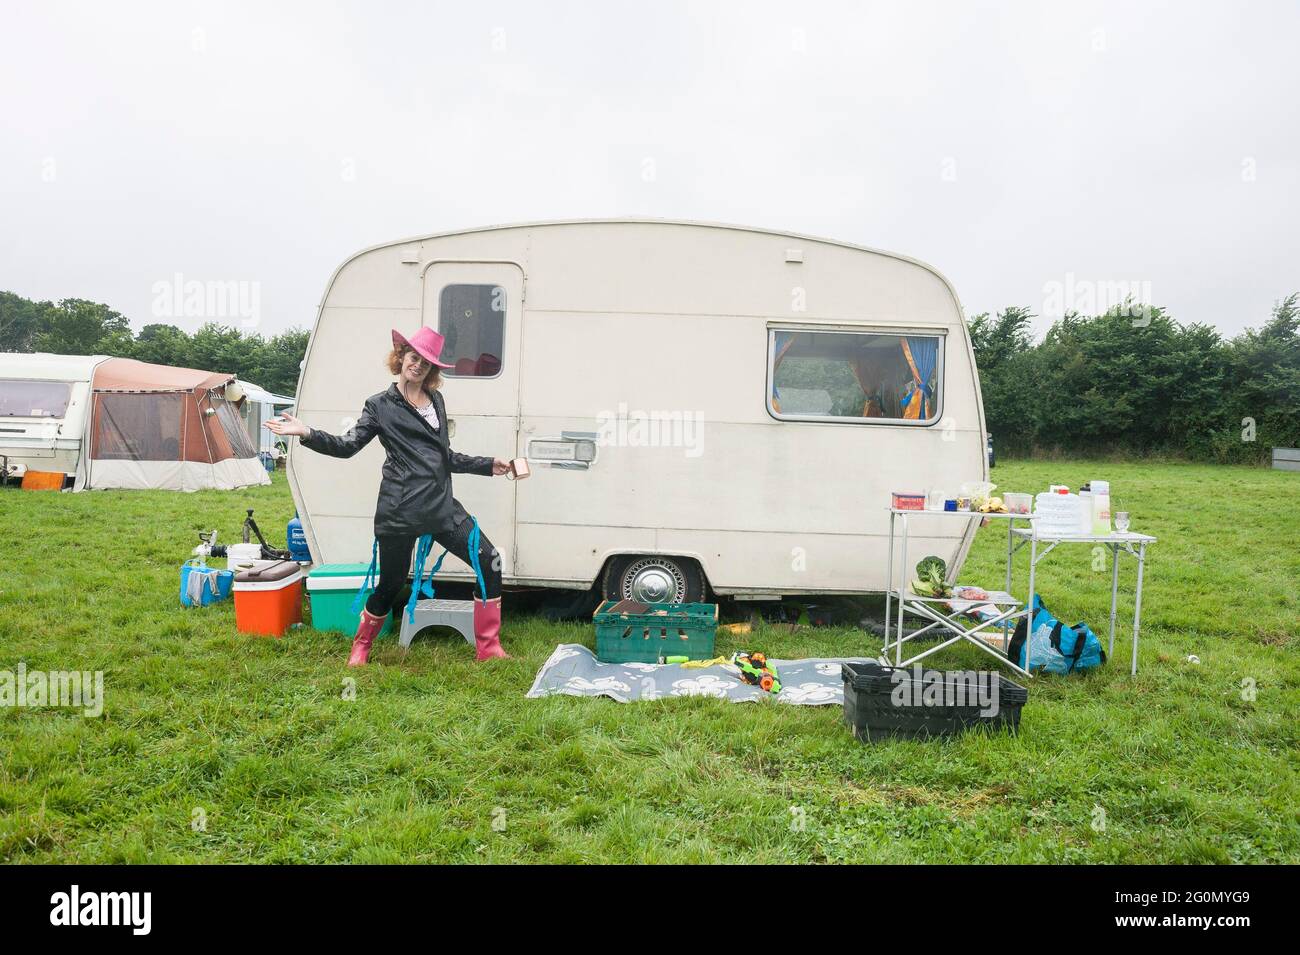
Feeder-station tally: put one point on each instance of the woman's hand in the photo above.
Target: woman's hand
(500, 466)
(287, 427)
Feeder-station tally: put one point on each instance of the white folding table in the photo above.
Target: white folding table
(1009, 609)
(1115, 542)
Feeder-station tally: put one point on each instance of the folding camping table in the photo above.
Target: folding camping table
(1135, 544)
(1008, 608)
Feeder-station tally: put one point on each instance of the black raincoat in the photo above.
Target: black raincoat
(415, 494)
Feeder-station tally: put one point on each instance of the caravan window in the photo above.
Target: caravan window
(863, 377)
(472, 319)
(34, 399)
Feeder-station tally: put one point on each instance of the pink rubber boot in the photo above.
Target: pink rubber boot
(367, 630)
(487, 629)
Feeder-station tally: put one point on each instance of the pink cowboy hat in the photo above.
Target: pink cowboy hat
(427, 344)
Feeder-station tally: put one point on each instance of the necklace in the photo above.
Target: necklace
(412, 403)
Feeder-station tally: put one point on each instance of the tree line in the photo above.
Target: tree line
(1134, 381)
(79, 327)
(1129, 381)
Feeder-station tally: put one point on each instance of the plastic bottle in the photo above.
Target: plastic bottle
(1085, 510)
(1101, 508)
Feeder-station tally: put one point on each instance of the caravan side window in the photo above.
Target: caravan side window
(34, 399)
(472, 318)
(862, 377)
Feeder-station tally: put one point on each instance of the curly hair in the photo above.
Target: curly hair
(432, 381)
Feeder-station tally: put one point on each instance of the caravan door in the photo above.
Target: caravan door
(478, 308)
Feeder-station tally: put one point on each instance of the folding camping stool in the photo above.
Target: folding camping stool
(457, 614)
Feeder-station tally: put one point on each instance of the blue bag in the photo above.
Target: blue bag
(202, 585)
(1054, 647)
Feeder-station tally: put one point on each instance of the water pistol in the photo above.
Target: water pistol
(755, 670)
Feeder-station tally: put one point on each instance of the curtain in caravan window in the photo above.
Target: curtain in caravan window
(783, 342)
(922, 356)
(144, 427)
(866, 369)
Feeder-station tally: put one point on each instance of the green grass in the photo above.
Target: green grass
(257, 735)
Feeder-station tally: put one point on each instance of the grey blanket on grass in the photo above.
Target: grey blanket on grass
(573, 670)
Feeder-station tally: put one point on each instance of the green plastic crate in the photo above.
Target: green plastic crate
(632, 632)
(331, 589)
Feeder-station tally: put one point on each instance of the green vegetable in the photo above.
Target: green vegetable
(932, 568)
(931, 578)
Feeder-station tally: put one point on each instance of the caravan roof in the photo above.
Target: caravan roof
(43, 366)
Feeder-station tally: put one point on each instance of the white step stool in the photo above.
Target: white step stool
(457, 614)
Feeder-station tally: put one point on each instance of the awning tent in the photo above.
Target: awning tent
(154, 426)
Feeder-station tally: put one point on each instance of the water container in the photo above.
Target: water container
(1101, 508)
(297, 541)
(1058, 514)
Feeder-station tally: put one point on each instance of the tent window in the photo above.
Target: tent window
(472, 319)
(138, 427)
(854, 376)
(34, 399)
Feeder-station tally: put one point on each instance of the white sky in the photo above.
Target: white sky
(1009, 145)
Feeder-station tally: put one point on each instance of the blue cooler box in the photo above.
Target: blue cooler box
(202, 585)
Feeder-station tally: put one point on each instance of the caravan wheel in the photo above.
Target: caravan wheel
(653, 578)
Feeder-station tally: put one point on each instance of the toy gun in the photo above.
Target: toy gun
(754, 670)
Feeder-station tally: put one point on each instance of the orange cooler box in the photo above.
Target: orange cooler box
(269, 599)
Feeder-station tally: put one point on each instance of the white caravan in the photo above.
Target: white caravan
(44, 401)
(703, 406)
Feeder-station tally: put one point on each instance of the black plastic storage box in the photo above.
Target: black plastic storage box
(878, 706)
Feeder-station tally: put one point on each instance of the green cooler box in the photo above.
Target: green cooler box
(332, 588)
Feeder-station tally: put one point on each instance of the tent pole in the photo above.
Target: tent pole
(203, 424)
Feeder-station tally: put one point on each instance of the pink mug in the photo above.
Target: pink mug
(518, 469)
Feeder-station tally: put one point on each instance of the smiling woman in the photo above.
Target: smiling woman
(415, 503)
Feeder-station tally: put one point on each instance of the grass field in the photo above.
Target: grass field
(253, 736)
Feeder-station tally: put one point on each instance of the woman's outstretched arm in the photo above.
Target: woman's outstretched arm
(336, 446)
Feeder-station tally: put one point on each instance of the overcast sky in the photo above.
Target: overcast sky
(1032, 152)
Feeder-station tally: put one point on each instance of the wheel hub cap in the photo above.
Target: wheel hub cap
(651, 581)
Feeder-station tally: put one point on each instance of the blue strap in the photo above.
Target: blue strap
(368, 584)
(423, 585)
(422, 548)
(473, 558)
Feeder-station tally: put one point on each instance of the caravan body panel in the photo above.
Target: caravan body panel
(660, 345)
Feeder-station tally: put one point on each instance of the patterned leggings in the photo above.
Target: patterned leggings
(395, 565)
